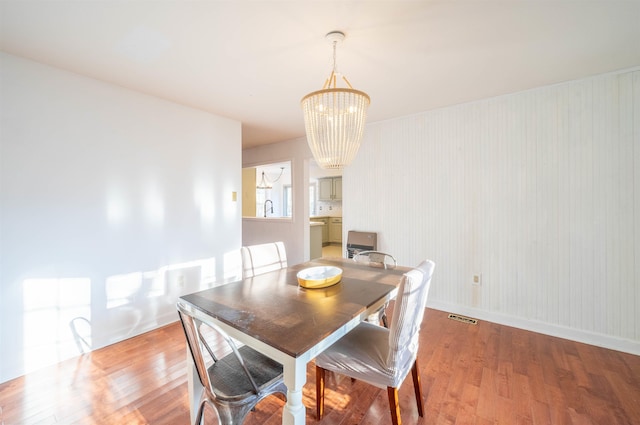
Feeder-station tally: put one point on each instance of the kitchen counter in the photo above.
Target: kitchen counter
(315, 239)
(332, 232)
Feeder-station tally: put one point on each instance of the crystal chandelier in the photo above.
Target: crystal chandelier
(335, 118)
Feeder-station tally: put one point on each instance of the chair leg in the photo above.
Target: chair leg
(320, 374)
(394, 406)
(383, 316)
(415, 372)
(200, 415)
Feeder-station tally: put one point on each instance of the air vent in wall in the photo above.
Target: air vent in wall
(463, 319)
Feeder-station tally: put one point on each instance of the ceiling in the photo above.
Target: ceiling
(252, 61)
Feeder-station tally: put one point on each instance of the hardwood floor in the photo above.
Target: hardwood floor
(471, 374)
(332, 251)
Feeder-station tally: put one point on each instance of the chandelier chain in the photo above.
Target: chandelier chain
(335, 67)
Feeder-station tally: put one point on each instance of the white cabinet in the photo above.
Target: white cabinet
(325, 189)
(335, 229)
(337, 189)
(330, 189)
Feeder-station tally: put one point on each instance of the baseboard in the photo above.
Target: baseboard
(115, 335)
(591, 338)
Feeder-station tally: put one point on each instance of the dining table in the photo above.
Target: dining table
(291, 324)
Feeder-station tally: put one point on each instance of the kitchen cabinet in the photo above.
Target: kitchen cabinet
(330, 189)
(335, 230)
(325, 229)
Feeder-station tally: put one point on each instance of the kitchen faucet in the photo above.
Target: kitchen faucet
(265, 207)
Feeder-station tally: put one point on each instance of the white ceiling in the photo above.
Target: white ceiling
(254, 60)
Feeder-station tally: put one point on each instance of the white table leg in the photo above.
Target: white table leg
(194, 385)
(295, 376)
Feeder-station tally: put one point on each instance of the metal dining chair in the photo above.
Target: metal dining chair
(379, 356)
(381, 260)
(376, 259)
(234, 379)
(81, 331)
(263, 258)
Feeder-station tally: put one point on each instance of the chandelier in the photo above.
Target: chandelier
(334, 118)
(265, 183)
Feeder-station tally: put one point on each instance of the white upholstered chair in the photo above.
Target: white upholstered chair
(379, 356)
(234, 379)
(263, 258)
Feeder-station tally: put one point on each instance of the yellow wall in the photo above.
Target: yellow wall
(249, 192)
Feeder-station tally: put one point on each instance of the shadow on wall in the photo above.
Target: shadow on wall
(60, 321)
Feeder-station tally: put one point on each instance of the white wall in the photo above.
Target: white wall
(293, 232)
(113, 203)
(538, 191)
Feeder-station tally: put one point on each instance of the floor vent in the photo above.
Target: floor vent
(463, 319)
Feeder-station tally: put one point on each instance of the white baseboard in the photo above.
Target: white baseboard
(600, 340)
(115, 335)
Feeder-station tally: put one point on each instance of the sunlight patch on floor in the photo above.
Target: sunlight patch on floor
(332, 251)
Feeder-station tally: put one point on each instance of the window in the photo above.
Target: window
(267, 190)
(287, 205)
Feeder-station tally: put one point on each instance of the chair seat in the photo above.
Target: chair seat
(229, 380)
(362, 354)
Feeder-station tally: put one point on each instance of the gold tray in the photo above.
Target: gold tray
(319, 277)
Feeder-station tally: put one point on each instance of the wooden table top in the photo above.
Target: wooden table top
(273, 309)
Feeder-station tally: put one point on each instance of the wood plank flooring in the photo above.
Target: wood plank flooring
(471, 374)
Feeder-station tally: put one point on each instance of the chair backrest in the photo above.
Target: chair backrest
(197, 342)
(263, 258)
(376, 259)
(81, 330)
(407, 316)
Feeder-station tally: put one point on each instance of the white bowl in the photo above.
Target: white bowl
(319, 277)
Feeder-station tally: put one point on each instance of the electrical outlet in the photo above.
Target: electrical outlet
(477, 279)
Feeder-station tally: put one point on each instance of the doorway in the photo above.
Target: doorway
(325, 206)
